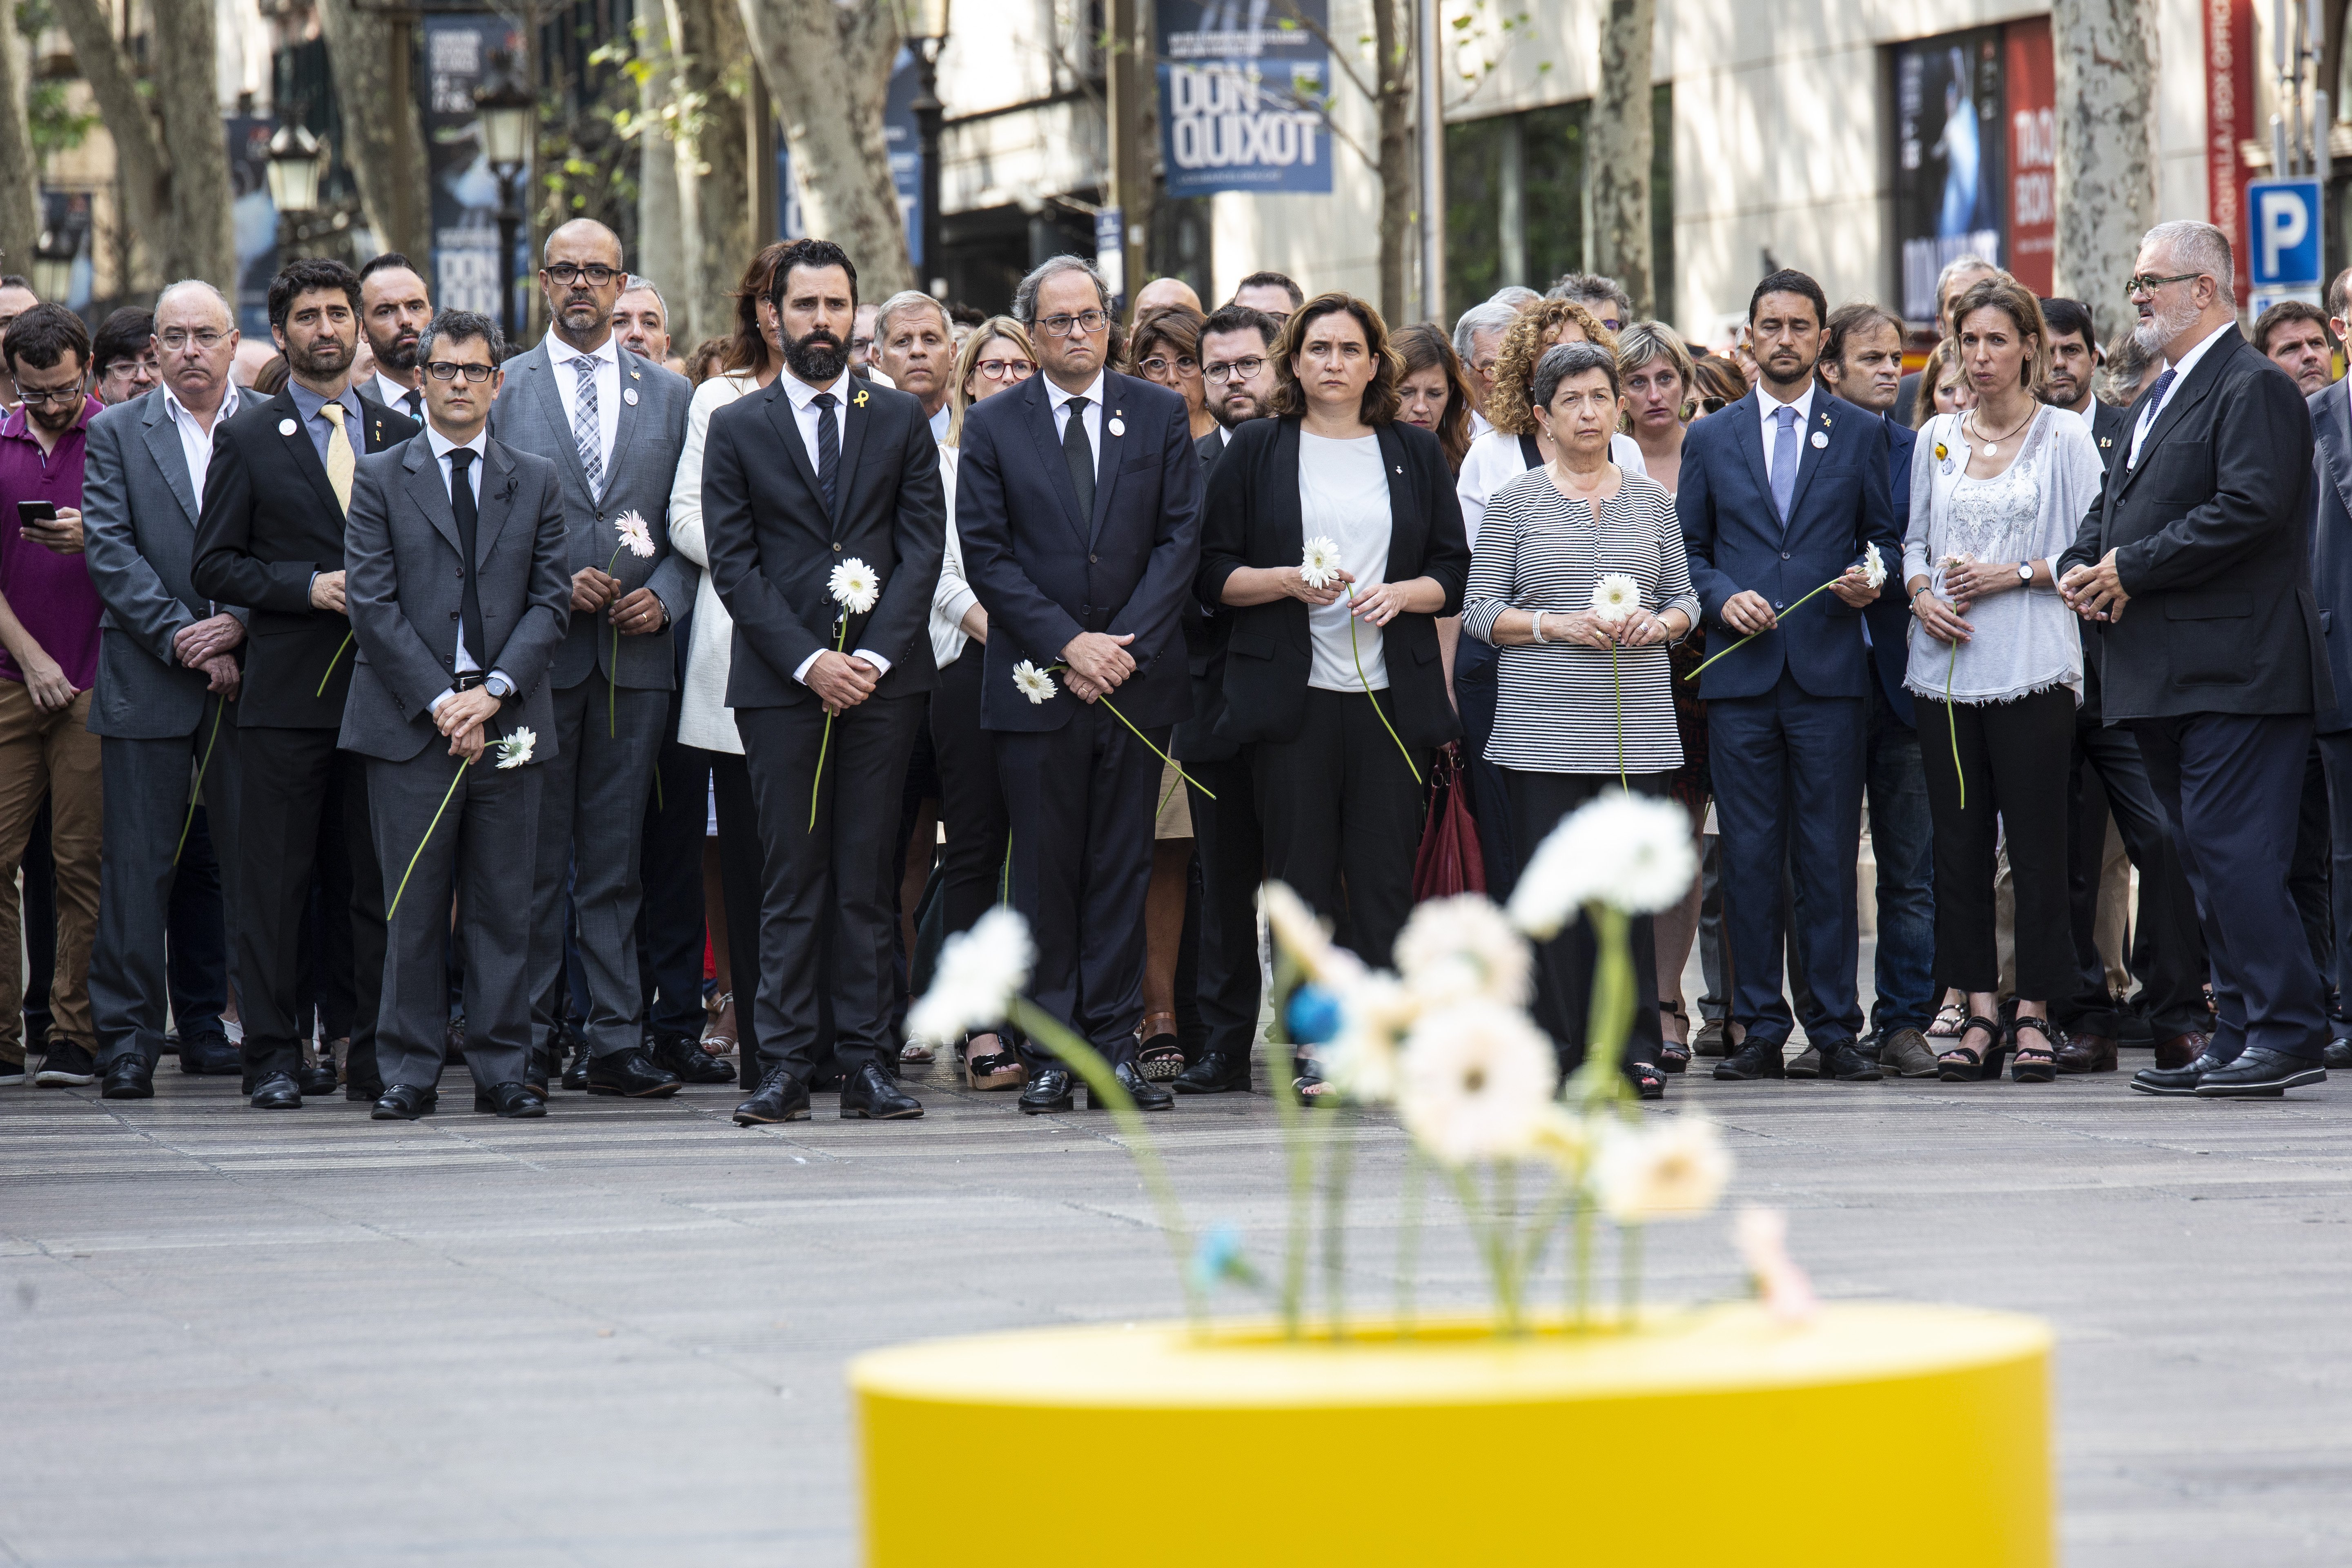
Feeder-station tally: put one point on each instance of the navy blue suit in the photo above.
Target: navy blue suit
(2331, 581)
(1080, 790)
(1788, 713)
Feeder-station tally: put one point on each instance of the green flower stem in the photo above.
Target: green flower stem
(1743, 642)
(1299, 1159)
(338, 659)
(1367, 684)
(1408, 1240)
(1952, 717)
(1089, 1065)
(1617, 689)
(1139, 735)
(196, 791)
(816, 782)
(393, 908)
(1335, 1214)
(1629, 1275)
(1602, 1079)
(1580, 1270)
(1486, 1230)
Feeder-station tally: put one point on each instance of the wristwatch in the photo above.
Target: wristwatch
(2025, 573)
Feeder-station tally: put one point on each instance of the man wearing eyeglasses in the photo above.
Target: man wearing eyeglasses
(2194, 567)
(612, 423)
(123, 350)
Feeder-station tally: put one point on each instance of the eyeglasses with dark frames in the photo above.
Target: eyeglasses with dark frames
(568, 273)
(1084, 322)
(449, 370)
(1224, 370)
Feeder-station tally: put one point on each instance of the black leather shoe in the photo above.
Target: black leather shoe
(1049, 1089)
(684, 1055)
(127, 1078)
(404, 1102)
(575, 1076)
(631, 1073)
(2176, 1080)
(2338, 1054)
(1214, 1073)
(781, 1097)
(208, 1053)
(277, 1092)
(2087, 1053)
(869, 1094)
(1753, 1061)
(320, 1080)
(1844, 1062)
(510, 1099)
(1147, 1095)
(2260, 1073)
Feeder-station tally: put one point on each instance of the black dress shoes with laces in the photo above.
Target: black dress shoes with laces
(2339, 1052)
(1049, 1089)
(2176, 1080)
(870, 1095)
(1756, 1058)
(404, 1102)
(320, 1080)
(632, 1073)
(684, 1055)
(1844, 1062)
(208, 1053)
(128, 1077)
(2259, 1072)
(1214, 1073)
(510, 1099)
(1146, 1095)
(781, 1097)
(277, 1092)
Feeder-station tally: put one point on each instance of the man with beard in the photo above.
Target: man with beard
(612, 423)
(270, 538)
(827, 684)
(1787, 713)
(915, 347)
(1236, 366)
(393, 308)
(2194, 568)
(641, 320)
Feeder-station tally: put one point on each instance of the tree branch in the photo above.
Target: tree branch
(139, 154)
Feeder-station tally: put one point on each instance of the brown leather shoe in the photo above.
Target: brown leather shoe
(2087, 1053)
(2180, 1050)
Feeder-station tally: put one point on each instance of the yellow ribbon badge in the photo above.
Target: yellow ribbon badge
(858, 401)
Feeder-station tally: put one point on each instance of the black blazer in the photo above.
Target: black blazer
(2213, 540)
(270, 521)
(1206, 627)
(1253, 520)
(2111, 430)
(773, 546)
(2331, 544)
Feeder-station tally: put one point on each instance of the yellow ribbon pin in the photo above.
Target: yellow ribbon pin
(858, 401)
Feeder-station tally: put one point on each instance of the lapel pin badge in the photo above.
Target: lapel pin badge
(285, 426)
(629, 396)
(858, 401)
(636, 375)
(1118, 425)
(1821, 439)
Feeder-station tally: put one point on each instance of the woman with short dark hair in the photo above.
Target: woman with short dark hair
(1165, 346)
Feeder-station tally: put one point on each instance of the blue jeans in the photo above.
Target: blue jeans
(1903, 838)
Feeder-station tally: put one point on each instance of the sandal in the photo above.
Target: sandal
(719, 1034)
(1672, 1058)
(915, 1053)
(1648, 1081)
(1961, 1065)
(1158, 1056)
(1951, 1022)
(2033, 1063)
(1309, 1084)
(994, 1069)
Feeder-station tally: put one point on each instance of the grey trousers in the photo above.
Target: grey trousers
(481, 850)
(592, 813)
(147, 785)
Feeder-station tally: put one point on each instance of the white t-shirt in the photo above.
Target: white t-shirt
(1343, 495)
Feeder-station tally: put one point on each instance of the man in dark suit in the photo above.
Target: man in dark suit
(459, 588)
(2108, 775)
(2331, 579)
(1078, 505)
(271, 538)
(1781, 492)
(1237, 359)
(2195, 568)
(828, 678)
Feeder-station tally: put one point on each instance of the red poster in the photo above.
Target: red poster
(2031, 96)
(2229, 112)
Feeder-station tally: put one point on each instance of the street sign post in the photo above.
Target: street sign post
(2284, 228)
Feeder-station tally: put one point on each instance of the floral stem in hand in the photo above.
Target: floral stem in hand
(1408, 1241)
(1156, 752)
(816, 783)
(1743, 642)
(197, 790)
(1952, 717)
(1366, 685)
(393, 908)
(1617, 687)
(338, 657)
(1335, 1214)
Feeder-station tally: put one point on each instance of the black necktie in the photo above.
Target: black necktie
(415, 398)
(828, 448)
(461, 501)
(1080, 455)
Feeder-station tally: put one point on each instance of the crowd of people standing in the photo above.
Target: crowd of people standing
(594, 714)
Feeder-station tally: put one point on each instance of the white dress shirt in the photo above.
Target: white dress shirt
(939, 423)
(607, 376)
(498, 685)
(394, 396)
(805, 414)
(953, 596)
(2181, 367)
(1060, 402)
(1768, 408)
(195, 441)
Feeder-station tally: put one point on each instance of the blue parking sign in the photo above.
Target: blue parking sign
(2284, 220)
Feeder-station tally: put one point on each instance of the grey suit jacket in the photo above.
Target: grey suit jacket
(405, 584)
(529, 417)
(138, 528)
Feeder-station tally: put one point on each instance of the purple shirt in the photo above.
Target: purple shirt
(51, 594)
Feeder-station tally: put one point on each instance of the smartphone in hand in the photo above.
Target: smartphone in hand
(33, 513)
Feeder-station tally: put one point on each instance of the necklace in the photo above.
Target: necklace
(1993, 446)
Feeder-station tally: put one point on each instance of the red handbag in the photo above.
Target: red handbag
(1448, 861)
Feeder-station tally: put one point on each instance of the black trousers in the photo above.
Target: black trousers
(669, 920)
(1341, 811)
(2307, 876)
(301, 802)
(1475, 691)
(828, 912)
(740, 884)
(2014, 757)
(1564, 964)
(1230, 850)
(2336, 752)
(972, 798)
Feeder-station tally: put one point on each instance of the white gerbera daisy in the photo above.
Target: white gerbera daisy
(1476, 1082)
(1320, 568)
(1564, 1140)
(1034, 683)
(855, 587)
(1462, 948)
(1873, 566)
(1630, 852)
(637, 533)
(1672, 1171)
(978, 973)
(1376, 1013)
(515, 749)
(1615, 597)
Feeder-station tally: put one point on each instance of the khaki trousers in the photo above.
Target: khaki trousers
(51, 755)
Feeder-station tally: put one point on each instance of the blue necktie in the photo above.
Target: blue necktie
(1784, 462)
(2148, 420)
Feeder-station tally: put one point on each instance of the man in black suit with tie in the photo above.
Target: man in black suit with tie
(270, 538)
(1078, 506)
(827, 683)
(2195, 567)
(2331, 580)
(460, 588)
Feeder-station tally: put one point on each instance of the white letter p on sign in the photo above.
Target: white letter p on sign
(2281, 221)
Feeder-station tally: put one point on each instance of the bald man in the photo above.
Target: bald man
(1162, 292)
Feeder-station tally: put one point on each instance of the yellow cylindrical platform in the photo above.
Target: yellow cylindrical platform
(1873, 1435)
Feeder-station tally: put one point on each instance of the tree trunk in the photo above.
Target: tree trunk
(20, 171)
(384, 133)
(711, 59)
(1619, 149)
(661, 220)
(141, 170)
(828, 67)
(1393, 102)
(2106, 55)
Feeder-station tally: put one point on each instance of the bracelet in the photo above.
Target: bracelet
(1538, 627)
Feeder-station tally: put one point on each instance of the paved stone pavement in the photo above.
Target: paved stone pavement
(615, 1337)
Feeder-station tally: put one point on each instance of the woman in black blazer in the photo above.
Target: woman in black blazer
(1338, 768)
